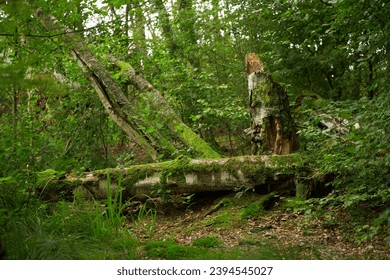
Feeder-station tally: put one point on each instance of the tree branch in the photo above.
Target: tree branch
(53, 34)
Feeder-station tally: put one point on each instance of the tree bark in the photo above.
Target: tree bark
(272, 127)
(115, 101)
(109, 92)
(185, 175)
(166, 27)
(165, 111)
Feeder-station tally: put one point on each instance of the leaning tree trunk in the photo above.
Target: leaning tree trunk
(109, 92)
(157, 101)
(272, 128)
(115, 101)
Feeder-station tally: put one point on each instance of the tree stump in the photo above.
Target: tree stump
(272, 128)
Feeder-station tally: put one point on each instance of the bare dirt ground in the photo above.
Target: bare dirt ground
(316, 237)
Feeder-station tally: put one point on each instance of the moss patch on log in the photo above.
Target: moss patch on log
(195, 142)
(185, 175)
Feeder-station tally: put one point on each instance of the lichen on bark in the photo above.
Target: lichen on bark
(272, 127)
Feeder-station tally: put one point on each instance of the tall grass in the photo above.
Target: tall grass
(114, 205)
(82, 229)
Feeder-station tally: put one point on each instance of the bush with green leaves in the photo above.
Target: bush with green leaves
(359, 159)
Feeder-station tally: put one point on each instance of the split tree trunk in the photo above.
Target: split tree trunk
(109, 92)
(165, 111)
(272, 128)
(115, 101)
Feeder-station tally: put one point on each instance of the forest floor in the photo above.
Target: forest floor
(281, 233)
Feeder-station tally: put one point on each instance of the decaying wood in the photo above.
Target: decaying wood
(165, 111)
(110, 94)
(183, 176)
(115, 101)
(272, 127)
(253, 64)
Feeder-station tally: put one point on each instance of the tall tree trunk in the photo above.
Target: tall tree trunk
(166, 27)
(138, 29)
(272, 127)
(186, 20)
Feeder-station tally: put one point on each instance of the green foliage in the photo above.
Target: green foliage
(207, 242)
(257, 208)
(359, 160)
(336, 49)
(146, 217)
(114, 204)
(66, 231)
(51, 119)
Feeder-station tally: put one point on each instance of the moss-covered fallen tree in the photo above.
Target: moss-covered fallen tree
(185, 175)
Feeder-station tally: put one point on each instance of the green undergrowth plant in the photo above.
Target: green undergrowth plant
(358, 159)
(82, 229)
(114, 204)
(147, 217)
(302, 206)
(207, 242)
(67, 230)
(257, 208)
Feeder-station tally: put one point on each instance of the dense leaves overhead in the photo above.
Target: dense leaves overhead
(193, 52)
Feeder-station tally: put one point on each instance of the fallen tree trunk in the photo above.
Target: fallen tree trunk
(184, 175)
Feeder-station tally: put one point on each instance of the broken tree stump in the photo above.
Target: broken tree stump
(272, 128)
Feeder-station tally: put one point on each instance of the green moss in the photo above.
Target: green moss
(169, 250)
(262, 93)
(195, 142)
(224, 221)
(248, 242)
(253, 210)
(123, 73)
(253, 168)
(256, 209)
(207, 242)
(48, 176)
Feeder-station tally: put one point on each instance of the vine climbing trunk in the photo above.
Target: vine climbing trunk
(272, 128)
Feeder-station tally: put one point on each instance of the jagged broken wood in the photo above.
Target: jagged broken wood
(272, 127)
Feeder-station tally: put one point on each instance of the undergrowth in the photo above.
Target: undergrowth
(358, 157)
